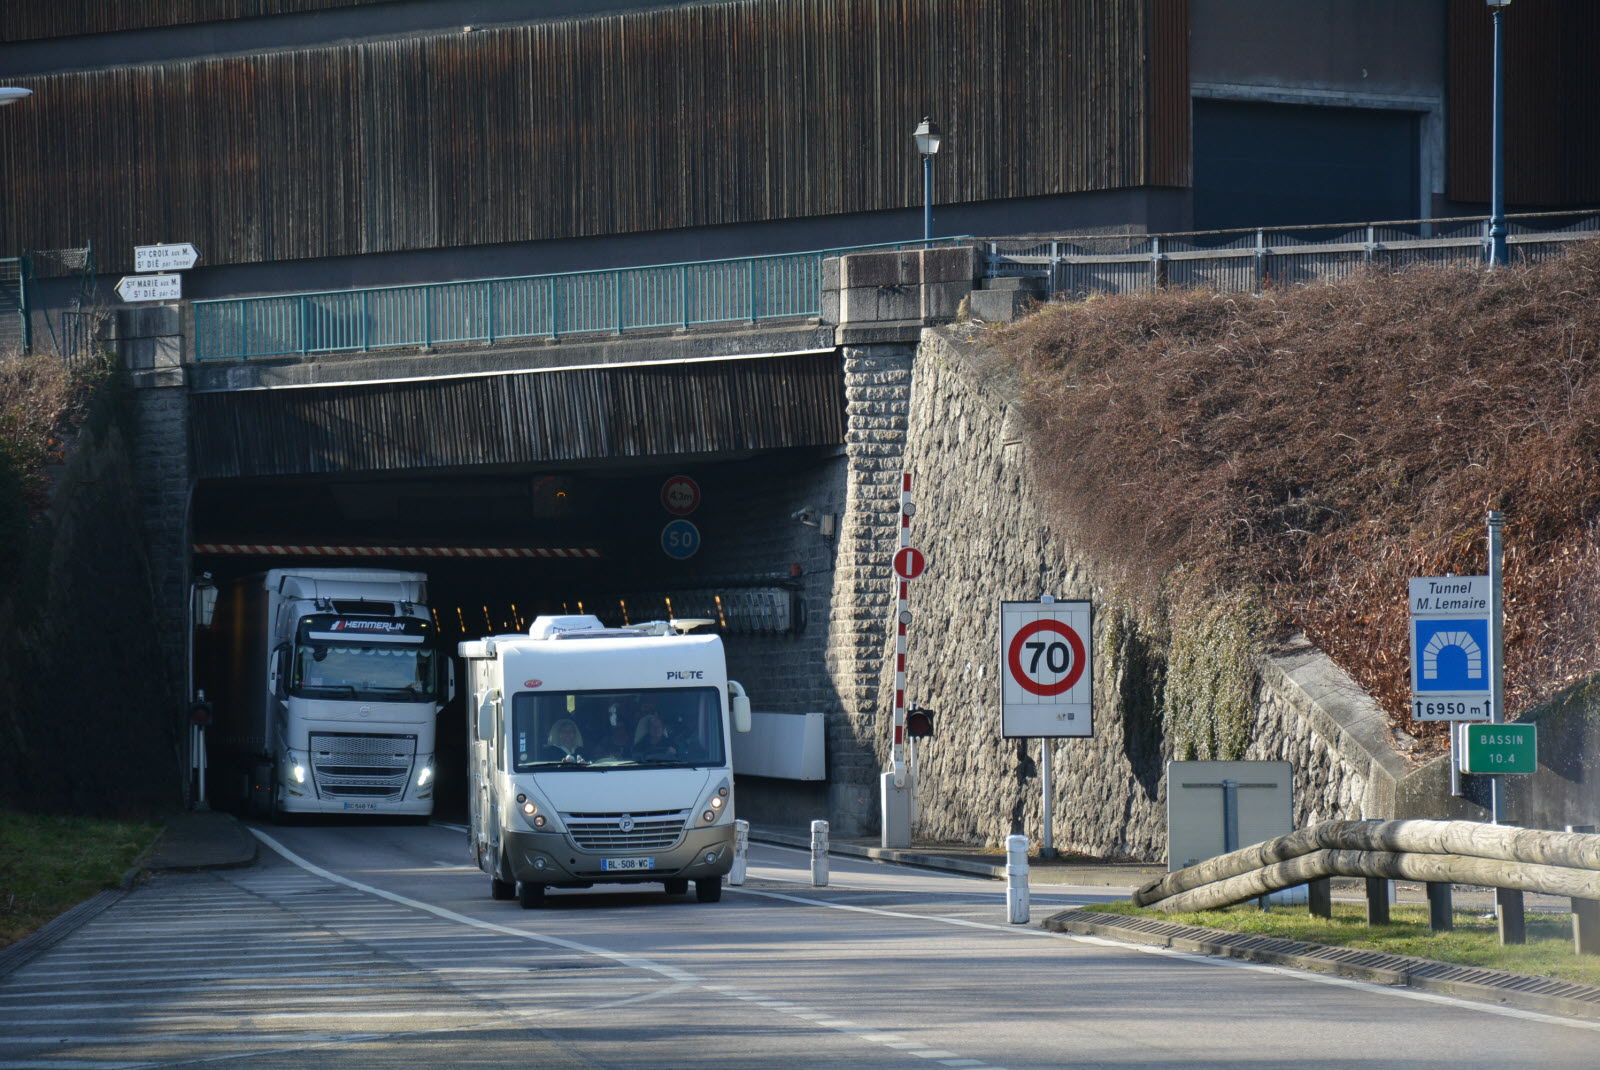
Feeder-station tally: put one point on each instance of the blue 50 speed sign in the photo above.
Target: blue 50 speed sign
(680, 540)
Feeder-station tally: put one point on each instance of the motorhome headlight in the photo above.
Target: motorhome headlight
(299, 774)
(716, 804)
(530, 811)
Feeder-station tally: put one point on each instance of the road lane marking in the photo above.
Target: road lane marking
(1189, 956)
(683, 977)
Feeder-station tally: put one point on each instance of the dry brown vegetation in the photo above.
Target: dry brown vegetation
(1324, 444)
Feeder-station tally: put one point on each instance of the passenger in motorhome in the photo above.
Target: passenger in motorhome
(651, 740)
(564, 741)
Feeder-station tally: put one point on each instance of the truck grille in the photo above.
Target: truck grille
(652, 831)
(361, 766)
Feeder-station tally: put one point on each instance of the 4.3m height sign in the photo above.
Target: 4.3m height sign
(1046, 669)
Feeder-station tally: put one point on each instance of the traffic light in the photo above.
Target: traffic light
(919, 723)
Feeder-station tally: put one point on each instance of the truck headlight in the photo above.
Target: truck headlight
(425, 776)
(298, 773)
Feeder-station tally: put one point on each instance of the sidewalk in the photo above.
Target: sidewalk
(976, 861)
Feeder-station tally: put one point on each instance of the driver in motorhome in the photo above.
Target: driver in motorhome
(563, 741)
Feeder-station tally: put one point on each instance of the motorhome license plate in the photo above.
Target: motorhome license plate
(624, 865)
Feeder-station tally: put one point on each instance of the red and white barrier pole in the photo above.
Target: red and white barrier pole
(902, 617)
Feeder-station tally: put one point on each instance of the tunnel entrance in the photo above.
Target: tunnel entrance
(503, 546)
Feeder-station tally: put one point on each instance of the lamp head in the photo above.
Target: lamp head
(1498, 3)
(927, 137)
(10, 95)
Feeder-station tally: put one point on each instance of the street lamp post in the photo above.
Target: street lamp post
(1497, 146)
(927, 137)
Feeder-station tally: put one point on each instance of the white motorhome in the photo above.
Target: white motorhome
(326, 686)
(602, 755)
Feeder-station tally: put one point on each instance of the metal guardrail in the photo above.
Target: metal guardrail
(1250, 261)
(741, 290)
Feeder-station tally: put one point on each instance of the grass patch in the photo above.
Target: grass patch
(49, 865)
(1473, 942)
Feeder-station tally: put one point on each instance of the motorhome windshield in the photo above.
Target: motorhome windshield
(586, 730)
(371, 665)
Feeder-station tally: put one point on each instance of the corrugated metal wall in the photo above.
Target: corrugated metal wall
(578, 414)
(684, 117)
(28, 20)
(1552, 102)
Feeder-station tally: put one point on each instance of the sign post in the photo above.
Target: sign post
(1046, 682)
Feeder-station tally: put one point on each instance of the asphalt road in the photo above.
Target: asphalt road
(380, 947)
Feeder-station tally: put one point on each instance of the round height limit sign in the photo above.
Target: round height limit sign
(1046, 671)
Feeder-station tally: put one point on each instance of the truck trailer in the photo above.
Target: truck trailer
(601, 755)
(325, 686)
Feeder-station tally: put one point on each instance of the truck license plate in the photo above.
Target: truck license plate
(624, 865)
(360, 806)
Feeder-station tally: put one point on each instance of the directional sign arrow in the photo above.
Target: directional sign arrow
(150, 287)
(175, 257)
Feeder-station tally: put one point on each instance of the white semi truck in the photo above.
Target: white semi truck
(601, 755)
(325, 686)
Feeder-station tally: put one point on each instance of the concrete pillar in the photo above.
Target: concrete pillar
(149, 342)
(877, 396)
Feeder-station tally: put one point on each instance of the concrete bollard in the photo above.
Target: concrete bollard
(819, 853)
(1017, 879)
(741, 850)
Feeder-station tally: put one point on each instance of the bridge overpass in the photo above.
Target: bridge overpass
(526, 474)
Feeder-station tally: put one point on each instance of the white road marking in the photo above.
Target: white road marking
(683, 977)
(1189, 956)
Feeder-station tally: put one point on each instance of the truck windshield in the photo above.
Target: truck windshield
(576, 730)
(374, 672)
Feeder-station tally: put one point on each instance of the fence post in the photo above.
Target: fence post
(1055, 260)
(305, 326)
(616, 290)
(1441, 915)
(1585, 916)
(1377, 901)
(683, 290)
(366, 321)
(1371, 246)
(1261, 259)
(555, 321)
(488, 289)
(750, 275)
(1319, 897)
(1509, 916)
(1158, 265)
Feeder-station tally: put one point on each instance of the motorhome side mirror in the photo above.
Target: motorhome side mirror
(738, 706)
(919, 723)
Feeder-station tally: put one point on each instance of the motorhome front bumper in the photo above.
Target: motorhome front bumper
(553, 859)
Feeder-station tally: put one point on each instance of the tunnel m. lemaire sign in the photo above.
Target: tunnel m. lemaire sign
(1450, 668)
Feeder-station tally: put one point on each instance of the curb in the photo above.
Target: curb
(53, 931)
(1548, 995)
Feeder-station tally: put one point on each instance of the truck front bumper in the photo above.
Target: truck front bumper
(553, 859)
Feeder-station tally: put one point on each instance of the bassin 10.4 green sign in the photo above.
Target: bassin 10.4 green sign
(1500, 748)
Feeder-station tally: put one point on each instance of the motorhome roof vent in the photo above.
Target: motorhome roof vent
(552, 627)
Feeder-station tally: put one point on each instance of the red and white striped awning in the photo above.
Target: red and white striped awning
(485, 552)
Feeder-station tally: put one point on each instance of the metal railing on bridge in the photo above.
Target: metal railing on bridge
(741, 290)
(1252, 260)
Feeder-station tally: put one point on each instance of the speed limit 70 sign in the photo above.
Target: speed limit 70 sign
(1046, 669)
